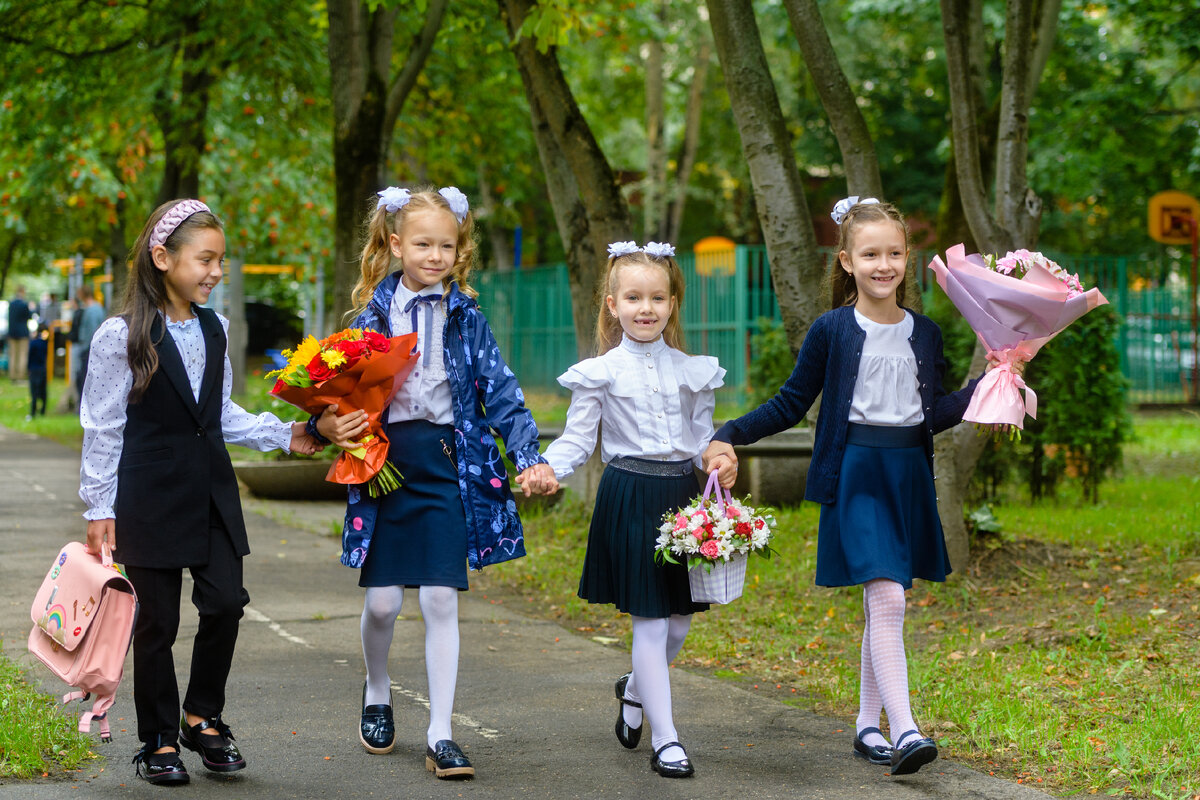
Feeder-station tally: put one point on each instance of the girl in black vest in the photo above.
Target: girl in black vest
(158, 483)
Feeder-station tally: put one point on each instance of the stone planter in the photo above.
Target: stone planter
(298, 479)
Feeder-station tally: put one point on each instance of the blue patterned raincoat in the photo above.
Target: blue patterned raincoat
(486, 398)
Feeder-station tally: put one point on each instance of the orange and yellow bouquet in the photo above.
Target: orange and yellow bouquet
(352, 369)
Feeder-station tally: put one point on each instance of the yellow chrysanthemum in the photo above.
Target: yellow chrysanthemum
(333, 358)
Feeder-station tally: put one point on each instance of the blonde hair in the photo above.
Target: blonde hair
(608, 327)
(843, 290)
(377, 250)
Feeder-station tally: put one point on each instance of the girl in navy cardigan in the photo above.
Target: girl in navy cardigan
(879, 367)
(454, 508)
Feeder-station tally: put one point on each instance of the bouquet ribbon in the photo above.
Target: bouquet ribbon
(997, 397)
(369, 385)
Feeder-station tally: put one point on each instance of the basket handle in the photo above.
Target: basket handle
(722, 495)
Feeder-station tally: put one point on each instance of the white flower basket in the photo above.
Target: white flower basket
(723, 584)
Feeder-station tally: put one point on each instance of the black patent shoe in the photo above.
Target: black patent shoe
(914, 755)
(672, 769)
(627, 736)
(376, 730)
(875, 753)
(217, 751)
(447, 761)
(160, 768)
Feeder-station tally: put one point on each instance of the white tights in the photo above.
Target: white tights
(884, 666)
(439, 609)
(656, 642)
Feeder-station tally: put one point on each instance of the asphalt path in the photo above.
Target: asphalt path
(534, 709)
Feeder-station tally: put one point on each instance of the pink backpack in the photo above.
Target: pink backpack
(83, 618)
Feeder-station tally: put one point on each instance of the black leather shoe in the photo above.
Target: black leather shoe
(627, 736)
(672, 769)
(447, 761)
(914, 755)
(875, 753)
(376, 730)
(164, 768)
(217, 752)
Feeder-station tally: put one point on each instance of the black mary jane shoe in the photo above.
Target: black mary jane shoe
(626, 735)
(914, 755)
(376, 729)
(875, 753)
(217, 751)
(446, 760)
(672, 769)
(160, 768)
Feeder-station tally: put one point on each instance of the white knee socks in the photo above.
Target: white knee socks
(884, 665)
(439, 608)
(656, 642)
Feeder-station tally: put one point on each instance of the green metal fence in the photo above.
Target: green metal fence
(530, 312)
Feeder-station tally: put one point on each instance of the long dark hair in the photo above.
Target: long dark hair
(843, 291)
(146, 292)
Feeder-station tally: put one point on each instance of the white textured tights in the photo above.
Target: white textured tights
(656, 642)
(884, 683)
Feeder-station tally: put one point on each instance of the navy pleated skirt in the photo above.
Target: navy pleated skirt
(884, 521)
(619, 567)
(420, 535)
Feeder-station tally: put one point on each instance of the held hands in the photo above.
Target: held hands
(538, 479)
(720, 456)
(303, 443)
(1017, 365)
(344, 431)
(100, 531)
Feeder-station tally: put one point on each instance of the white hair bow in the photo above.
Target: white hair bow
(659, 249)
(393, 198)
(618, 249)
(457, 202)
(843, 207)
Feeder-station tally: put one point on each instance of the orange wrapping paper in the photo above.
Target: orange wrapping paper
(369, 385)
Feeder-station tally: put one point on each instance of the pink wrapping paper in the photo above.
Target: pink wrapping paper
(1013, 317)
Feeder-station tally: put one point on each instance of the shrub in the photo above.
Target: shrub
(772, 360)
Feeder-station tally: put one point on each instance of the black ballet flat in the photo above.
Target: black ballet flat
(672, 769)
(217, 752)
(626, 735)
(376, 729)
(914, 755)
(875, 753)
(160, 768)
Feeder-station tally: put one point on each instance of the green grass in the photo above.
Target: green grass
(1062, 656)
(36, 738)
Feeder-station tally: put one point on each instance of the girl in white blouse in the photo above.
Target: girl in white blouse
(655, 406)
(158, 483)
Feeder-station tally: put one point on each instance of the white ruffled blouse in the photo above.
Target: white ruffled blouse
(106, 392)
(887, 391)
(653, 402)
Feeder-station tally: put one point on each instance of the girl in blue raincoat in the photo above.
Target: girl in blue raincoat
(454, 508)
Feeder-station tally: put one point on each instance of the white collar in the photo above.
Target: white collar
(404, 294)
(637, 348)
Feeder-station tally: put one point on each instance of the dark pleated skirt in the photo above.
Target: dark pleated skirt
(420, 535)
(619, 567)
(884, 521)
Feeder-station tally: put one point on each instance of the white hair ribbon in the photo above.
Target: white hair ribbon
(457, 202)
(659, 250)
(618, 249)
(843, 207)
(393, 198)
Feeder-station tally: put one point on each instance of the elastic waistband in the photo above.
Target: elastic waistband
(885, 435)
(644, 466)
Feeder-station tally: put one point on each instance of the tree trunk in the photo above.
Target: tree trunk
(366, 105)
(183, 123)
(691, 143)
(779, 193)
(502, 255)
(588, 206)
(655, 184)
(841, 105)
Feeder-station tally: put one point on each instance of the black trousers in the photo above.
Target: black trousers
(37, 392)
(219, 597)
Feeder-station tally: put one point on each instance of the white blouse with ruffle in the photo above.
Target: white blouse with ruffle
(886, 391)
(653, 401)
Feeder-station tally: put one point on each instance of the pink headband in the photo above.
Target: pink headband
(171, 220)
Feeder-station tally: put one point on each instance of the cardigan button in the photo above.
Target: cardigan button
(200, 432)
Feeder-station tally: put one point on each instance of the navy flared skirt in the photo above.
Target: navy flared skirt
(884, 521)
(420, 534)
(619, 567)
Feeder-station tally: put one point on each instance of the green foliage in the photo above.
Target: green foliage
(771, 362)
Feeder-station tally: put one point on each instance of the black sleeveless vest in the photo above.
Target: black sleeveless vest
(175, 473)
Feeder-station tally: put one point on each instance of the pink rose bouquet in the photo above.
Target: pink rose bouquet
(1015, 305)
(713, 529)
